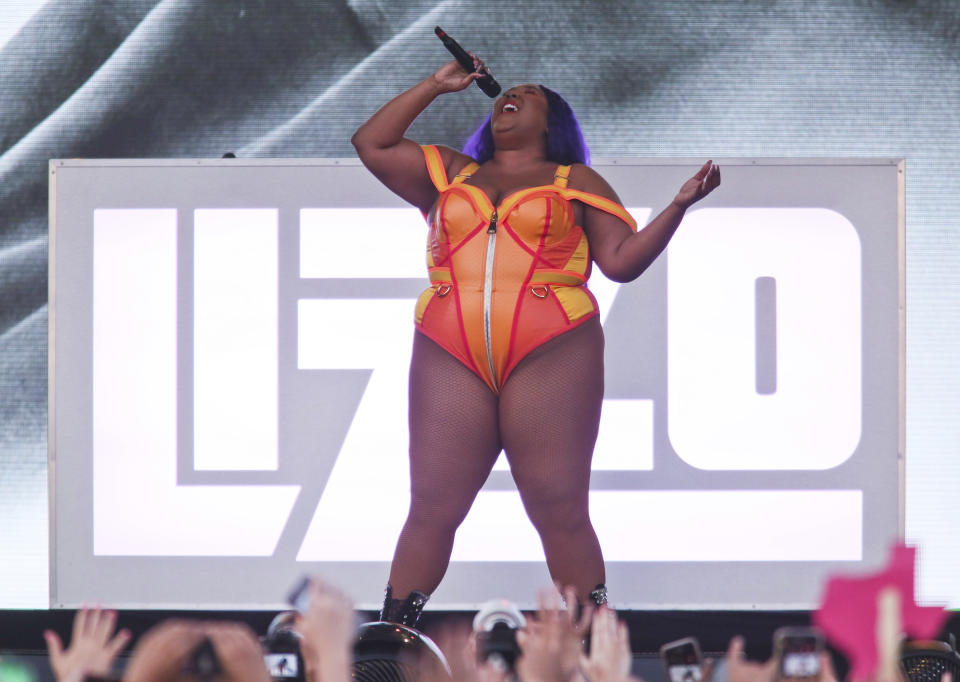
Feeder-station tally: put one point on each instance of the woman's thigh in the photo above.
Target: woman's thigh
(550, 413)
(454, 433)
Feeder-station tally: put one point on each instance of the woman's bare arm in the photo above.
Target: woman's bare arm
(621, 254)
(397, 161)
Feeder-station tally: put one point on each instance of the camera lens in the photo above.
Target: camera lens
(498, 611)
(496, 625)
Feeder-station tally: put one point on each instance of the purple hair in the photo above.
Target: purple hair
(565, 143)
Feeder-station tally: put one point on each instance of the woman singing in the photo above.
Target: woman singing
(508, 348)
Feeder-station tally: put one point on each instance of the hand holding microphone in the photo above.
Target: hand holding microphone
(486, 82)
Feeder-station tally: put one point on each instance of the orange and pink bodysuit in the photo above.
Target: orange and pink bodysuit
(505, 279)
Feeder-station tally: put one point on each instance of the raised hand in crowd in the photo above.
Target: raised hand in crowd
(328, 632)
(739, 669)
(165, 653)
(890, 638)
(610, 657)
(93, 646)
(237, 651)
(550, 645)
(458, 642)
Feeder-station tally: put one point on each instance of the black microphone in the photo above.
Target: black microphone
(485, 82)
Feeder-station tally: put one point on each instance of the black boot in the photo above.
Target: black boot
(403, 611)
(599, 595)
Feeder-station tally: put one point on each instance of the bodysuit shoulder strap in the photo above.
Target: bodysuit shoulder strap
(438, 174)
(465, 172)
(560, 179)
(603, 204)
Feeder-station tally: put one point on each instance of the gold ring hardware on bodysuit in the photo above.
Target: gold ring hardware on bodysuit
(540, 291)
(443, 289)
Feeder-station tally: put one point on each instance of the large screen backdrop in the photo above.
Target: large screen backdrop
(230, 343)
(292, 78)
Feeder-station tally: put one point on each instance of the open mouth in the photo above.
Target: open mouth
(510, 106)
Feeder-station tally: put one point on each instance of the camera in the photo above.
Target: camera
(281, 649)
(496, 625)
(683, 660)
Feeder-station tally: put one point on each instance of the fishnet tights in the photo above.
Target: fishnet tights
(545, 419)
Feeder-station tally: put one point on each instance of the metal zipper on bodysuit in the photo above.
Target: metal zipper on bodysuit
(488, 289)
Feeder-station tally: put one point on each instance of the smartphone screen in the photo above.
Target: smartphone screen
(798, 649)
(682, 660)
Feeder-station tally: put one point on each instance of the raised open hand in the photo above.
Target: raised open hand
(610, 657)
(93, 646)
(550, 644)
(700, 185)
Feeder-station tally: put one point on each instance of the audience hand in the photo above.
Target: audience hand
(238, 652)
(93, 646)
(550, 644)
(163, 652)
(610, 657)
(458, 642)
(889, 637)
(327, 631)
(739, 669)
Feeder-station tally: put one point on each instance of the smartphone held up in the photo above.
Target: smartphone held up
(798, 650)
(683, 660)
